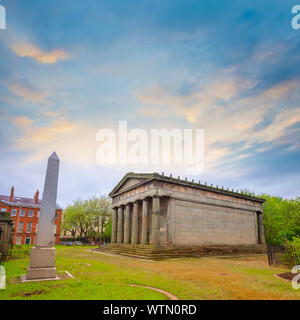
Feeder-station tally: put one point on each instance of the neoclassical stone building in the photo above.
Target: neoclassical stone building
(160, 210)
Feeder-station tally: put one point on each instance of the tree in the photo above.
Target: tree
(99, 212)
(88, 218)
(281, 219)
(69, 223)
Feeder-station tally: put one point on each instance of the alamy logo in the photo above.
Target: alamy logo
(296, 18)
(2, 278)
(152, 148)
(2, 17)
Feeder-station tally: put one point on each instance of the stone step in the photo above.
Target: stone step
(167, 252)
(180, 251)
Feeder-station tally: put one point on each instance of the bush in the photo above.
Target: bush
(281, 219)
(293, 251)
(291, 257)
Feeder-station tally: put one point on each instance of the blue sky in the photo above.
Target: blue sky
(69, 68)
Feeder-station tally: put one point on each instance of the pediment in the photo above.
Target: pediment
(130, 180)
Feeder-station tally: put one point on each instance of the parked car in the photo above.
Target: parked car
(78, 243)
(68, 243)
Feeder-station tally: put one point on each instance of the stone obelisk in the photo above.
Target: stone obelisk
(42, 256)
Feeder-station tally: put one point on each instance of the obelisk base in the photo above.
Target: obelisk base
(41, 273)
(41, 263)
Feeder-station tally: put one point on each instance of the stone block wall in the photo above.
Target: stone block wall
(200, 224)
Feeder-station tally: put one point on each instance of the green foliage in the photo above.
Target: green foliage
(281, 219)
(108, 226)
(292, 255)
(88, 218)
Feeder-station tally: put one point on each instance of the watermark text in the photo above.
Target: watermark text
(2, 17)
(296, 18)
(155, 147)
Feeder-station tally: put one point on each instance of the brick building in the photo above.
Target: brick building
(25, 214)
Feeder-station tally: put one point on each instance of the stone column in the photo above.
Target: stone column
(127, 224)
(171, 221)
(145, 222)
(261, 229)
(135, 224)
(114, 226)
(155, 220)
(120, 225)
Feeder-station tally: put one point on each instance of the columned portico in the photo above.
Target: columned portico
(126, 227)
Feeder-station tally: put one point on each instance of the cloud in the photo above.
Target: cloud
(74, 141)
(277, 91)
(152, 112)
(191, 106)
(56, 114)
(22, 121)
(231, 112)
(27, 93)
(33, 52)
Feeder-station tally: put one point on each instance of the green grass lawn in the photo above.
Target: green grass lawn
(105, 277)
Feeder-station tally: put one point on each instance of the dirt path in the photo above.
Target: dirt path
(168, 294)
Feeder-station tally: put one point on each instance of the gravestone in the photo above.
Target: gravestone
(6, 232)
(42, 256)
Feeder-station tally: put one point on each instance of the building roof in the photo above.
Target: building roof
(22, 202)
(146, 177)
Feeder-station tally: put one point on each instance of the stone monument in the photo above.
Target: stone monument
(42, 256)
(6, 232)
(158, 217)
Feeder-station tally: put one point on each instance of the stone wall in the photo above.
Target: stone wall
(201, 224)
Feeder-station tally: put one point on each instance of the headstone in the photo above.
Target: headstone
(42, 256)
(6, 232)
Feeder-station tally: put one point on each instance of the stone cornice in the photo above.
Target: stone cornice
(158, 177)
(157, 192)
(154, 192)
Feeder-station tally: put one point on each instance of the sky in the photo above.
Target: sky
(70, 68)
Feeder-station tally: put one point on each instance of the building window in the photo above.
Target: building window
(29, 225)
(13, 212)
(3, 209)
(56, 215)
(22, 213)
(20, 226)
(30, 213)
(19, 240)
(28, 240)
(54, 228)
(38, 214)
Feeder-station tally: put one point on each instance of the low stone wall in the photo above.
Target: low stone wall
(172, 251)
